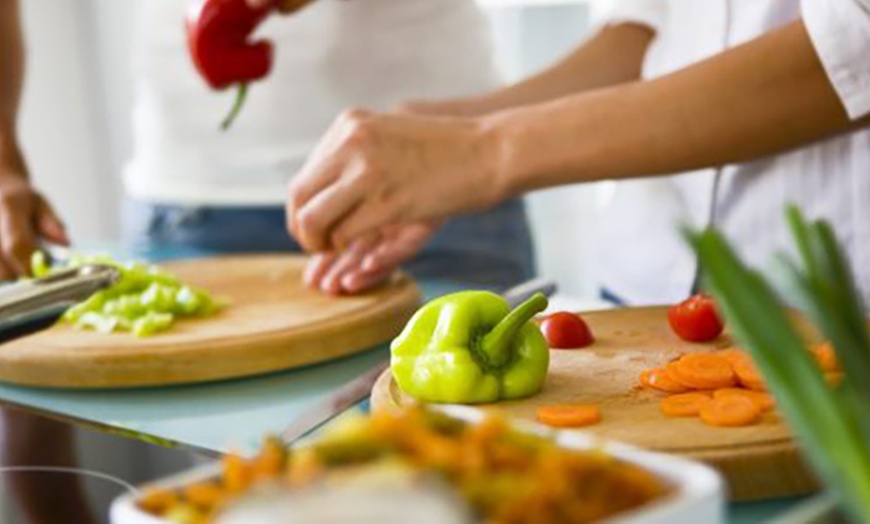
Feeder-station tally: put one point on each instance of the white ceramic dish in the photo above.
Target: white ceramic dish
(699, 495)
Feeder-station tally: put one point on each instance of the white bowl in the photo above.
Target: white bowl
(698, 497)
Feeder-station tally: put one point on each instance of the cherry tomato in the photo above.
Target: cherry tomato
(565, 330)
(695, 319)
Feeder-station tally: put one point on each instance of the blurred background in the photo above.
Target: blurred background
(76, 114)
(76, 132)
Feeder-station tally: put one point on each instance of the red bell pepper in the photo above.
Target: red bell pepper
(219, 42)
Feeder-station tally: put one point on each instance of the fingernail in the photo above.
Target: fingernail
(350, 283)
(369, 264)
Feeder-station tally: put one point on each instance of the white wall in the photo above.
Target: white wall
(529, 38)
(60, 122)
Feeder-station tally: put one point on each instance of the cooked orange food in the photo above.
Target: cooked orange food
(505, 476)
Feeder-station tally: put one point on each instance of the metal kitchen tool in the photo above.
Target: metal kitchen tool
(30, 301)
(356, 390)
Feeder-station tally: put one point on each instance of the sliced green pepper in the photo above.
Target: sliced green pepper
(469, 348)
(145, 300)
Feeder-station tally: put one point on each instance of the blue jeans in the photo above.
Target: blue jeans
(490, 250)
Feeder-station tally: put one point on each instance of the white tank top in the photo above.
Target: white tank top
(333, 55)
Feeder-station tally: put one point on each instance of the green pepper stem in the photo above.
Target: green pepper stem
(241, 96)
(497, 342)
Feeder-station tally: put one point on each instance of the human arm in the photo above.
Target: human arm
(24, 214)
(614, 55)
(765, 96)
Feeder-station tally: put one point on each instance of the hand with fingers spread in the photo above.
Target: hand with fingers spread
(25, 215)
(368, 261)
(375, 170)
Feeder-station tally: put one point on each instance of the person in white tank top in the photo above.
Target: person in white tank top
(192, 186)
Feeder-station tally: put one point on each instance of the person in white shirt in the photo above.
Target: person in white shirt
(193, 187)
(723, 110)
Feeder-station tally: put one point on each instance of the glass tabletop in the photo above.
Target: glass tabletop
(232, 415)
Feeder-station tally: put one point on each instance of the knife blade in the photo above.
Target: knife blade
(356, 390)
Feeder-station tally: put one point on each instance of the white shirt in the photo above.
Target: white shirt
(642, 257)
(333, 55)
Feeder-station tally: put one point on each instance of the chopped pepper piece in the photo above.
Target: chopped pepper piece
(469, 348)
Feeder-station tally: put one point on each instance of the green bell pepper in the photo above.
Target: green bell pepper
(469, 348)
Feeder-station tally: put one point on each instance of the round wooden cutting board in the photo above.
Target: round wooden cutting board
(272, 322)
(759, 461)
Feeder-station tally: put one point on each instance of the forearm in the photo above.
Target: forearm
(763, 97)
(613, 56)
(11, 78)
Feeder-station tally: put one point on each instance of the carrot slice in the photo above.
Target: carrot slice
(684, 404)
(569, 415)
(763, 400)
(733, 355)
(703, 371)
(825, 356)
(644, 378)
(730, 411)
(748, 375)
(661, 380)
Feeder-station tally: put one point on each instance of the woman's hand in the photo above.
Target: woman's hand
(368, 261)
(375, 170)
(25, 216)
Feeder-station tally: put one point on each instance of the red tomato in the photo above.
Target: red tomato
(695, 319)
(565, 330)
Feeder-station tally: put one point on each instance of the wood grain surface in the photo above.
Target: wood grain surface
(272, 322)
(759, 461)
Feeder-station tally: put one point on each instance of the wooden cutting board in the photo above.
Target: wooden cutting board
(272, 322)
(759, 461)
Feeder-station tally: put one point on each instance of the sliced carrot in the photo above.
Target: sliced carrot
(661, 380)
(684, 404)
(748, 375)
(569, 415)
(644, 378)
(730, 411)
(765, 401)
(702, 371)
(733, 355)
(825, 356)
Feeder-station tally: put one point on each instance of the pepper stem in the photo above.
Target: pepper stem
(496, 343)
(241, 96)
